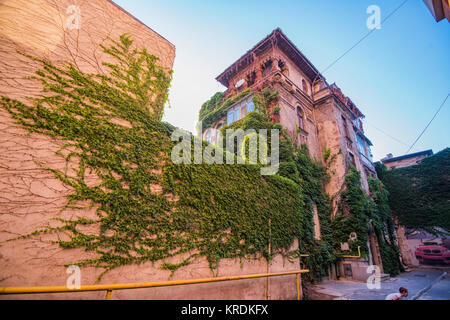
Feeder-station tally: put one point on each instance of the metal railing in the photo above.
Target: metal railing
(109, 288)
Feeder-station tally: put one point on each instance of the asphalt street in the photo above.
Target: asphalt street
(416, 281)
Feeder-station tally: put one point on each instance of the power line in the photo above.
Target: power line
(387, 134)
(364, 37)
(420, 135)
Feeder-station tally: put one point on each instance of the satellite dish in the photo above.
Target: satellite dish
(239, 83)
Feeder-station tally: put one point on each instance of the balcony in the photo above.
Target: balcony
(366, 162)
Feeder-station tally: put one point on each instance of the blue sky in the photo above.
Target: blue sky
(398, 76)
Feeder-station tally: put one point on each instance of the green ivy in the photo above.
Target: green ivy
(420, 194)
(207, 119)
(356, 210)
(309, 177)
(211, 104)
(149, 209)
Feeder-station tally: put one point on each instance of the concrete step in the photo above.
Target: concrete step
(385, 277)
(407, 269)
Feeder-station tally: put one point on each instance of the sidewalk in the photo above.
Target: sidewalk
(415, 281)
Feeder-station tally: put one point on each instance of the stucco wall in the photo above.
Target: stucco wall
(330, 138)
(404, 162)
(31, 196)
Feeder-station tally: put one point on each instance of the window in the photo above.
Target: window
(240, 110)
(267, 67)
(352, 159)
(243, 110)
(301, 124)
(283, 67)
(209, 135)
(250, 105)
(344, 123)
(305, 86)
(218, 133)
(361, 146)
(230, 116)
(251, 78)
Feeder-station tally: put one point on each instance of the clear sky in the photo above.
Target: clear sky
(398, 76)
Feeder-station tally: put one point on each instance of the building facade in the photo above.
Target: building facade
(406, 160)
(440, 9)
(31, 197)
(312, 111)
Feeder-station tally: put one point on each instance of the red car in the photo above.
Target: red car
(432, 253)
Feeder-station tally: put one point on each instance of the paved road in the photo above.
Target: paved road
(414, 281)
(439, 291)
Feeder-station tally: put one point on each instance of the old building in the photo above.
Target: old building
(406, 160)
(314, 112)
(31, 197)
(440, 9)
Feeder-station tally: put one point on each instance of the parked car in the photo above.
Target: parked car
(432, 253)
(447, 257)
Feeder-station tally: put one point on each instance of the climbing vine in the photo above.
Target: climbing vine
(384, 228)
(147, 207)
(354, 211)
(420, 194)
(307, 174)
(362, 214)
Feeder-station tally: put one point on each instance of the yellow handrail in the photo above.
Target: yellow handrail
(123, 286)
(358, 256)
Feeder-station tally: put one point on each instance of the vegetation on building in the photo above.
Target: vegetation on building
(149, 209)
(420, 194)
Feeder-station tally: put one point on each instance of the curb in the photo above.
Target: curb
(421, 292)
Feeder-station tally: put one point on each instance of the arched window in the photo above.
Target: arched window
(218, 133)
(301, 123)
(209, 135)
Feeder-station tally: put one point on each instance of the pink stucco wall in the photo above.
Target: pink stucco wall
(31, 196)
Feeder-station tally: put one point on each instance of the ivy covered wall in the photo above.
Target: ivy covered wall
(364, 214)
(149, 209)
(420, 194)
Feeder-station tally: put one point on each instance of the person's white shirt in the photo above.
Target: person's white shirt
(393, 295)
